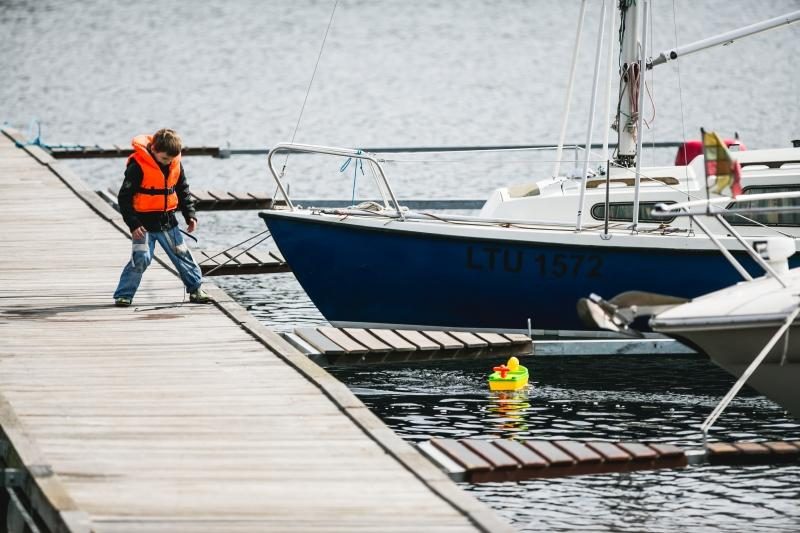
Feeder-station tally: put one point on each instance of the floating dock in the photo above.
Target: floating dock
(169, 416)
(489, 460)
(355, 346)
(215, 200)
(235, 262)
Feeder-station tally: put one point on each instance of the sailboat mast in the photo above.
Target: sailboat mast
(640, 118)
(628, 108)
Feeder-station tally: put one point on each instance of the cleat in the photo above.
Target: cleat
(123, 302)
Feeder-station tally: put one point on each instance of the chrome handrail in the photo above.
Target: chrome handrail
(330, 150)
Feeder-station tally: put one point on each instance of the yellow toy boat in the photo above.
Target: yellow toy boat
(510, 376)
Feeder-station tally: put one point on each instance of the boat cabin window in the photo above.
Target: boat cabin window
(623, 212)
(791, 218)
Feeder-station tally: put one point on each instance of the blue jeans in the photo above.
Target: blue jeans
(172, 243)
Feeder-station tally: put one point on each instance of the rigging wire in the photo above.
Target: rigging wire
(651, 94)
(308, 89)
(680, 99)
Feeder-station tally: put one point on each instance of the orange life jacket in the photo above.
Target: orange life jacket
(156, 193)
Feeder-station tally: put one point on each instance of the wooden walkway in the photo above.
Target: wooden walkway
(355, 346)
(237, 262)
(490, 460)
(176, 417)
(486, 460)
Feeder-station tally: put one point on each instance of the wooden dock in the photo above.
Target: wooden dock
(355, 346)
(490, 460)
(215, 200)
(169, 416)
(234, 262)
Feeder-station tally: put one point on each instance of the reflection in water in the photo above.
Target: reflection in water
(508, 409)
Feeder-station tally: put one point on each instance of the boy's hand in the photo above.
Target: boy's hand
(138, 233)
(192, 225)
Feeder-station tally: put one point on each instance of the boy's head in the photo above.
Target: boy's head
(166, 145)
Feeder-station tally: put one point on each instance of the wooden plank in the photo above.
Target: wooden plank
(398, 343)
(493, 455)
(319, 341)
(551, 453)
(278, 256)
(517, 338)
(751, 448)
(782, 448)
(203, 196)
(220, 196)
(610, 452)
(722, 449)
(444, 340)
(494, 339)
(348, 344)
(469, 340)
(239, 197)
(419, 340)
(235, 257)
(208, 256)
(580, 451)
(462, 455)
(667, 450)
(364, 337)
(522, 454)
(260, 195)
(262, 258)
(638, 451)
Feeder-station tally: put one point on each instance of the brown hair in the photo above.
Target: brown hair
(166, 140)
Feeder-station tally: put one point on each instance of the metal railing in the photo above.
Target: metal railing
(384, 188)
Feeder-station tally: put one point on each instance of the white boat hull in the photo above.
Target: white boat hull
(734, 347)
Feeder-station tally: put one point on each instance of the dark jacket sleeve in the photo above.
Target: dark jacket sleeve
(132, 181)
(185, 200)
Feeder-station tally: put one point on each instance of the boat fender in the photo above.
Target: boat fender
(691, 149)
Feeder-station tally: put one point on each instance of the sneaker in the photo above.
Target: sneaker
(200, 297)
(123, 302)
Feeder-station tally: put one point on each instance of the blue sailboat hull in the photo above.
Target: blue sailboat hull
(378, 275)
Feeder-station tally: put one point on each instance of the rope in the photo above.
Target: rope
(651, 95)
(37, 141)
(358, 164)
(680, 99)
(239, 254)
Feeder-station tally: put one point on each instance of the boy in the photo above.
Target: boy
(154, 188)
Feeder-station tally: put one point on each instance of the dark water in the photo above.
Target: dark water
(404, 73)
(608, 398)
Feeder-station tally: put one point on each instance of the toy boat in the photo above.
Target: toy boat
(510, 376)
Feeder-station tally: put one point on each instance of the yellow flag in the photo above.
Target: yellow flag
(722, 171)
